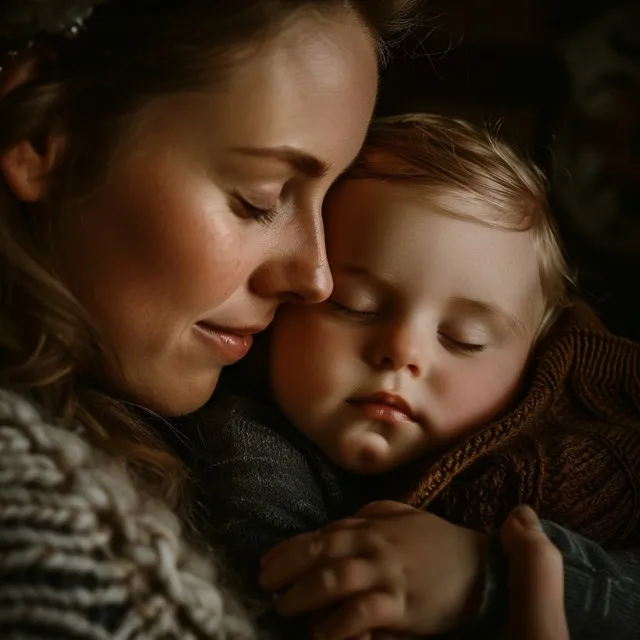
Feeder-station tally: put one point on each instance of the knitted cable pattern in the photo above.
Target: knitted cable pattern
(84, 555)
(570, 448)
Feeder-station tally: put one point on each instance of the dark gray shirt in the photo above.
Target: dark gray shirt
(259, 481)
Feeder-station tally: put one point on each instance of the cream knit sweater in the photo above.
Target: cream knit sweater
(84, 555)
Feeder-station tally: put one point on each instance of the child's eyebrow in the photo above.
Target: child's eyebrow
(366, 275)
(489, 311)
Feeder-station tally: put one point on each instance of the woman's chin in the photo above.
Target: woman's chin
(177, 397)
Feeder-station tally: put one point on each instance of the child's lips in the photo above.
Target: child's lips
(384, 406)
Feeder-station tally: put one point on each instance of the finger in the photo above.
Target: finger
(329, 584)
(536, 580)
(347, 523)
(294, 557)
(285, 546)
(317, 548)
(365, 613)
(384, 508)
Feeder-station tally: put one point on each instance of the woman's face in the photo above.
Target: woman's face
(210, 215)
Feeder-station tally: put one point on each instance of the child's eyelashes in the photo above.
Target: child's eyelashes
(349, 312)
(454, 345)
(460, 346)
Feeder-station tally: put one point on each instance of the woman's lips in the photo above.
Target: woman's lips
(231, 346)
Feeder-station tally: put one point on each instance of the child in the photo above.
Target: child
(448, 369)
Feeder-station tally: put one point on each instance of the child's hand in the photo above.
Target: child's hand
(390, 567)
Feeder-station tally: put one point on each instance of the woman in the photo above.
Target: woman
(163, 169)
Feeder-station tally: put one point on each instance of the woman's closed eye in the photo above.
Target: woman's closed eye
(251, 210)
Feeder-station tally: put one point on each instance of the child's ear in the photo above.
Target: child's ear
(27, 167)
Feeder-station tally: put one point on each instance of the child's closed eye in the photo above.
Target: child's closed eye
(460, 346)
(351, 312)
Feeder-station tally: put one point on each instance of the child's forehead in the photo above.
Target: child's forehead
(381, 196)
(422, 249)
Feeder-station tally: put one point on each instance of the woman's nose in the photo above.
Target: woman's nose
(298, 270)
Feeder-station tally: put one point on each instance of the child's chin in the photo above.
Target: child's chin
(366, 454)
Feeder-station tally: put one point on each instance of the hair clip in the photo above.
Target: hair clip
(24, 19)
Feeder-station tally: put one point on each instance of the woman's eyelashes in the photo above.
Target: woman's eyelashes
(251, 210)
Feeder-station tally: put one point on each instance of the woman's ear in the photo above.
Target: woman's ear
(19, 71)
(27, 168)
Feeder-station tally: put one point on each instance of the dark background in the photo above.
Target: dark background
(502, 61)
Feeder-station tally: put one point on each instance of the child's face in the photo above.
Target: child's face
(426, 335)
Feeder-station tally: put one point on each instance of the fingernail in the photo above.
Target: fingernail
(527, 517)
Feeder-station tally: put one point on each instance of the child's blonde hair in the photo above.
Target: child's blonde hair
(477, 168)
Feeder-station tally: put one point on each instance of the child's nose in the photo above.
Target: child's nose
(399, 348)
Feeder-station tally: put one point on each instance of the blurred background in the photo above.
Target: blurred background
(562, 80)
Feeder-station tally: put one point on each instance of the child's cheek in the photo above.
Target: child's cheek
(477, 396)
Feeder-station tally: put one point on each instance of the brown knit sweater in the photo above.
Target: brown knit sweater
(570, 448)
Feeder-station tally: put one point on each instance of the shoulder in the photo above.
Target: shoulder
(70, 516)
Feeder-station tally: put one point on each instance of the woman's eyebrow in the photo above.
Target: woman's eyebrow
(301, 161)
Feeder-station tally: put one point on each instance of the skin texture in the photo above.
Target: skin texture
(412, 291)
(407, 316)
(377, 567)
(168, 239)
(374, 572)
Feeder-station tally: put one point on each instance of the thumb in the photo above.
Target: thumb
(536, 580)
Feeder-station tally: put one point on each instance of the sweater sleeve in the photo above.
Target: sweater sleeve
(85, 555)
(602, 588)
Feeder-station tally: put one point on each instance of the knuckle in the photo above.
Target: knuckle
(361, 610)
(329, 581)
(315, 544)
(375, 610)
(351, 574)
(375, 543)
(333, 543)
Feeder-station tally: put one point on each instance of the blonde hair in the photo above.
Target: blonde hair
(481, 171)
(126, 55)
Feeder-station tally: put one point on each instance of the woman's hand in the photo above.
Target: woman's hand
(536, 580)
(390, 567)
